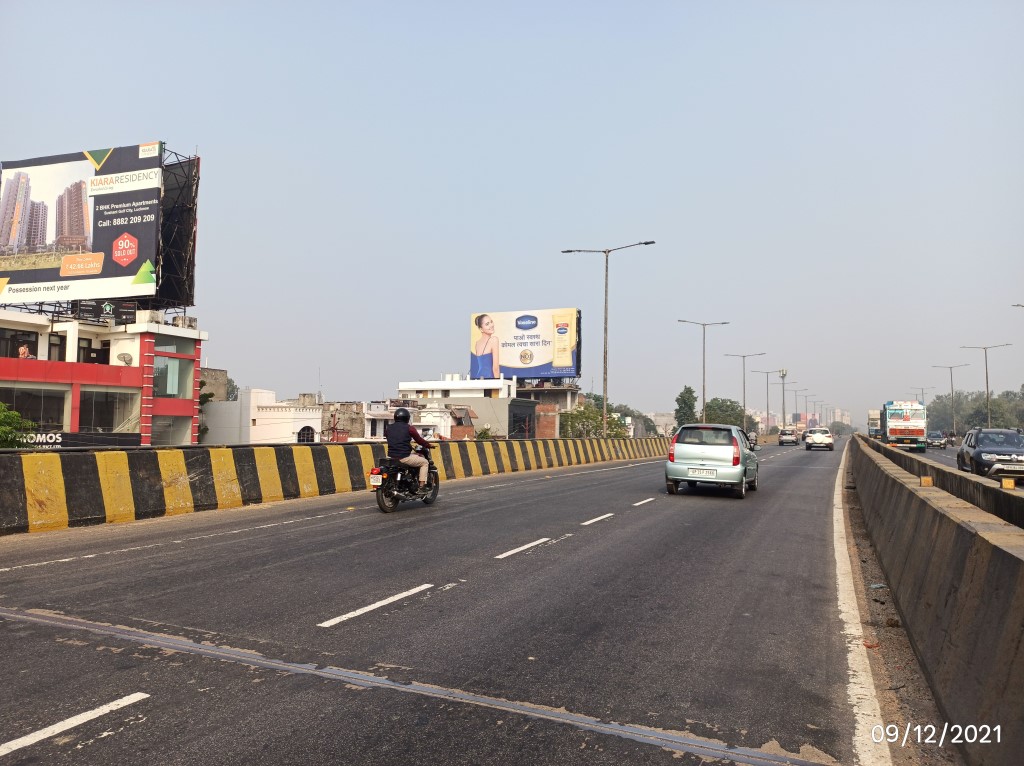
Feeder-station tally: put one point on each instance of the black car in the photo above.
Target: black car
(993, 452)
(936, 439)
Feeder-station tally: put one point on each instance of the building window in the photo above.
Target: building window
(307, 435)
(170, 344)
(58, 347)
(11, 339)
(109, 411)
(171, 431)
(172, 378)
(46, 408)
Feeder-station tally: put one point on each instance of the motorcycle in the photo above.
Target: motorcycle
(393, 482)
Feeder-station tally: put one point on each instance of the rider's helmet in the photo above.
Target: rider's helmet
(401, 415)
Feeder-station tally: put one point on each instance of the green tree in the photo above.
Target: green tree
(727, 411)
(586, 421)
(12, 427)
(686, 404)
(204, 397)
(232, 392)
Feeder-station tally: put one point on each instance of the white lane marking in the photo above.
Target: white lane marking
(599, 518)
(173, 542)
(522, 548)
(70, 723)
(643, 501)
(371, 607)
(860, 688)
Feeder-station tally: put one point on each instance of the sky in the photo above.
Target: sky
(839, 181)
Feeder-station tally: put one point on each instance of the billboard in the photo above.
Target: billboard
(538, 343)
(81, 226)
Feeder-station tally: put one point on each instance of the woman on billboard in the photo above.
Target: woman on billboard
(483, 362)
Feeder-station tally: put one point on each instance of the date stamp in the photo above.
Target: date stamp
(910, 734)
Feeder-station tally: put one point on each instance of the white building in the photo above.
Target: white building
(258, 418)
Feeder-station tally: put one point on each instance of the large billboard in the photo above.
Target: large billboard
(538, 343)
(81, 226)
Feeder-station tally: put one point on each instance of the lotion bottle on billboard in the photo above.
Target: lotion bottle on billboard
(562, 348)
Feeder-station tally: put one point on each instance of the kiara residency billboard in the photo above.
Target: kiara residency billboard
(539, 343)
(80, 226)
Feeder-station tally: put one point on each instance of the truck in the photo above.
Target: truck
(904, 424)
(874, 424)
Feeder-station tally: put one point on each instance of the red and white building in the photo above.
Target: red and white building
(101, 384)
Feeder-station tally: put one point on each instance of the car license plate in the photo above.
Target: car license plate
(376, 480)
(708, 472)
(1014, 467)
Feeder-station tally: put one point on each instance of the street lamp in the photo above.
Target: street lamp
(922, 389)
(704, 366)
(604, 405)
(988, 405)
(806, 414)
(952, 405)
(782, 374)
(796, 405)
(767, 399)
(744, 358)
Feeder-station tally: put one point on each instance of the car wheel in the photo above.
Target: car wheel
(740, 491)
(808, 447)
(672, 487)
(753, 485)
(831, 448)
(959, 462)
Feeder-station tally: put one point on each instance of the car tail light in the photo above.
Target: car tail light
(672, 448)
(735, 451)
(375, 471)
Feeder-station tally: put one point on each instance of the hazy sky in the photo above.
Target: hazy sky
(841, 181)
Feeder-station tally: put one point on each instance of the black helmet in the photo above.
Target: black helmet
(401, 415)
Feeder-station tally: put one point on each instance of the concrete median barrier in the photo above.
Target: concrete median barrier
(42, 491)
(956, 573)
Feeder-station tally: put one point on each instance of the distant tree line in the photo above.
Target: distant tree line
(972, 411)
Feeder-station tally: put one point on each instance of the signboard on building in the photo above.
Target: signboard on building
(122, 312)
(538, 343)
(81, 226)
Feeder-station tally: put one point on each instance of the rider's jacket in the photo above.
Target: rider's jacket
(400, 437)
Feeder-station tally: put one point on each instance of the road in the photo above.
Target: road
(577, 615)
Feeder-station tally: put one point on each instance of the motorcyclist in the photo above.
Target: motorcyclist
(400, 436)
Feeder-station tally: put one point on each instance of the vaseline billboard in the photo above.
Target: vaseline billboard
(538, 343)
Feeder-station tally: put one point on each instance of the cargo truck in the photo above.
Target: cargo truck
(904, 424)
(874, 424)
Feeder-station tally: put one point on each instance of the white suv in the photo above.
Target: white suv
(788, 436)
(820, 437)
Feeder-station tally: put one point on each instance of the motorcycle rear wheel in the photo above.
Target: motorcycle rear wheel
(387, 500)
(433, 487)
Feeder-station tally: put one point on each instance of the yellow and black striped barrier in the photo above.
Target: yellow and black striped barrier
(53, 490)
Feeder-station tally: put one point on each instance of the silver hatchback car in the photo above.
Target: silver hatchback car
(711, 453)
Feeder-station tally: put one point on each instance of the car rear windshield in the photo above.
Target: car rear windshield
(786, 432)
(717, 436)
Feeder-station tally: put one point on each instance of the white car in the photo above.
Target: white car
(820, 438)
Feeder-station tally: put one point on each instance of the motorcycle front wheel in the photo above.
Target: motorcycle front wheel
(387, 500)
(433, 487)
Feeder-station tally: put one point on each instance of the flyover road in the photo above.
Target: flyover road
(570, 616)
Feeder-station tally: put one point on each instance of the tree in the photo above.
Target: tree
(12, 427)
(232, 392)
(726, 411)
(203, 399)
(586, 421)
(686, 404)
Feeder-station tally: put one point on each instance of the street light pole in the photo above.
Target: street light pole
(744, 358)
(988, 404)
(704, 366)
(782, 374)
(767, 399)
(604, 404)
(796, 404)
(806, 414)
(952, 403)
(922, 389)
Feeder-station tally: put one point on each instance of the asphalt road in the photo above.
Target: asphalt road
(578, 615)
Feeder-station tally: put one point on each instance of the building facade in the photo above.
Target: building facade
(101, 384)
